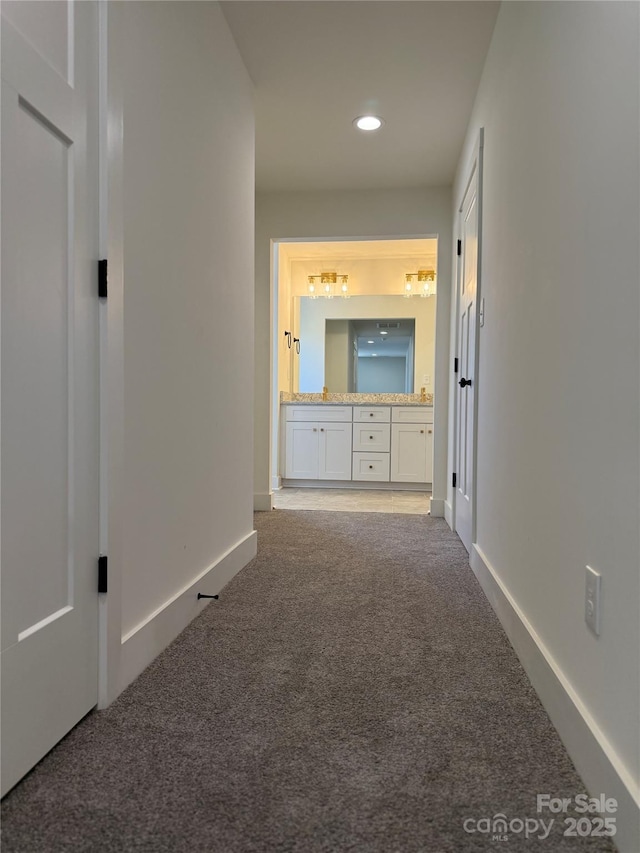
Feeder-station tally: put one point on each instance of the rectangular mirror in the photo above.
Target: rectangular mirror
(335, 351)
(373, 356)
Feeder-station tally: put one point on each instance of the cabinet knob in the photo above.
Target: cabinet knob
(315, 430)
(321, 429)
(370, 466)
(370, 414)
(421, 430)
(430, 431)
(371, 437)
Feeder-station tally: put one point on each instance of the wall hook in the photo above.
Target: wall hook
(297, 343)
(288, 337)
(204, 595)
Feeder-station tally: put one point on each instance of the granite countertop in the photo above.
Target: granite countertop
(355, 399)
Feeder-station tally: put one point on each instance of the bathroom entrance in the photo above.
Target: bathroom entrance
(354, 327)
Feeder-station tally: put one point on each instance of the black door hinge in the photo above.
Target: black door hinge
(102, 573)
(454, 480)
(102, 279)
(455, 365)
(459, 247)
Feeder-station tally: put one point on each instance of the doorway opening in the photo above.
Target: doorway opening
(354, 323)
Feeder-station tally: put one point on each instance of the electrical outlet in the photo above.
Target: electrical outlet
(426, 379)
(592, 600)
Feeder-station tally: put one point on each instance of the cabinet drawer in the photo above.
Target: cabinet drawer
(318, 413)
(372, 436)
(371, 414)
(371, 466)
(412, 415)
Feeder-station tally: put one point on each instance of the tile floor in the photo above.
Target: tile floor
(352, 500)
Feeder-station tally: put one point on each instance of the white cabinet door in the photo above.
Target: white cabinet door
(50, 412)
(302, 451)
(411, 453)
(334, 462)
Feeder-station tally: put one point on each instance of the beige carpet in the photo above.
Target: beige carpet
(351, 691)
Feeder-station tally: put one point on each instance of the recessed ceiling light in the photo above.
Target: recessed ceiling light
(374, 355)
(384, 333)
(368, 122)
(371, 342)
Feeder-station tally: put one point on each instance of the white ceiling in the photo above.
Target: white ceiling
(394, 344)
(318, 65)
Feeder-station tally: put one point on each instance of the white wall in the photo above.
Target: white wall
(188, 304)
(338, 363)
(558, 429)
(344, 215)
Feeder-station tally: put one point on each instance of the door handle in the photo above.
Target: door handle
(464, 382)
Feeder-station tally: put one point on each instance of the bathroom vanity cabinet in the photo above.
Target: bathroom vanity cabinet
(361, 444)
(318, 442)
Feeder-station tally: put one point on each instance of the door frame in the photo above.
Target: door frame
(474, 166)
(111, 354)
(441, 334)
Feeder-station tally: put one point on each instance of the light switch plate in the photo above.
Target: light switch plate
(592, 600)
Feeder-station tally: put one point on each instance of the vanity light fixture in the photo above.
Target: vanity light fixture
(368, 122)
(327, 282)
(426, 278)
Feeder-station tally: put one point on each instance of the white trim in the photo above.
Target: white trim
(111, 34)
(262, 502)
(436, 507)
(146, 641)
(448, 514)
(359, 485)
(595, 759)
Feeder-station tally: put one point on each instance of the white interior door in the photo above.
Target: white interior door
(49, 376)
(465, 388)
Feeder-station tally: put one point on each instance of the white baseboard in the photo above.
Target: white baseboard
(262, 502)
(436, 507)
(448, 514)
(144, 643)
(357, 485)
(595, 759)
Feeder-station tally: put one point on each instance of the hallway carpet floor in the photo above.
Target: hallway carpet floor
(350, 691)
